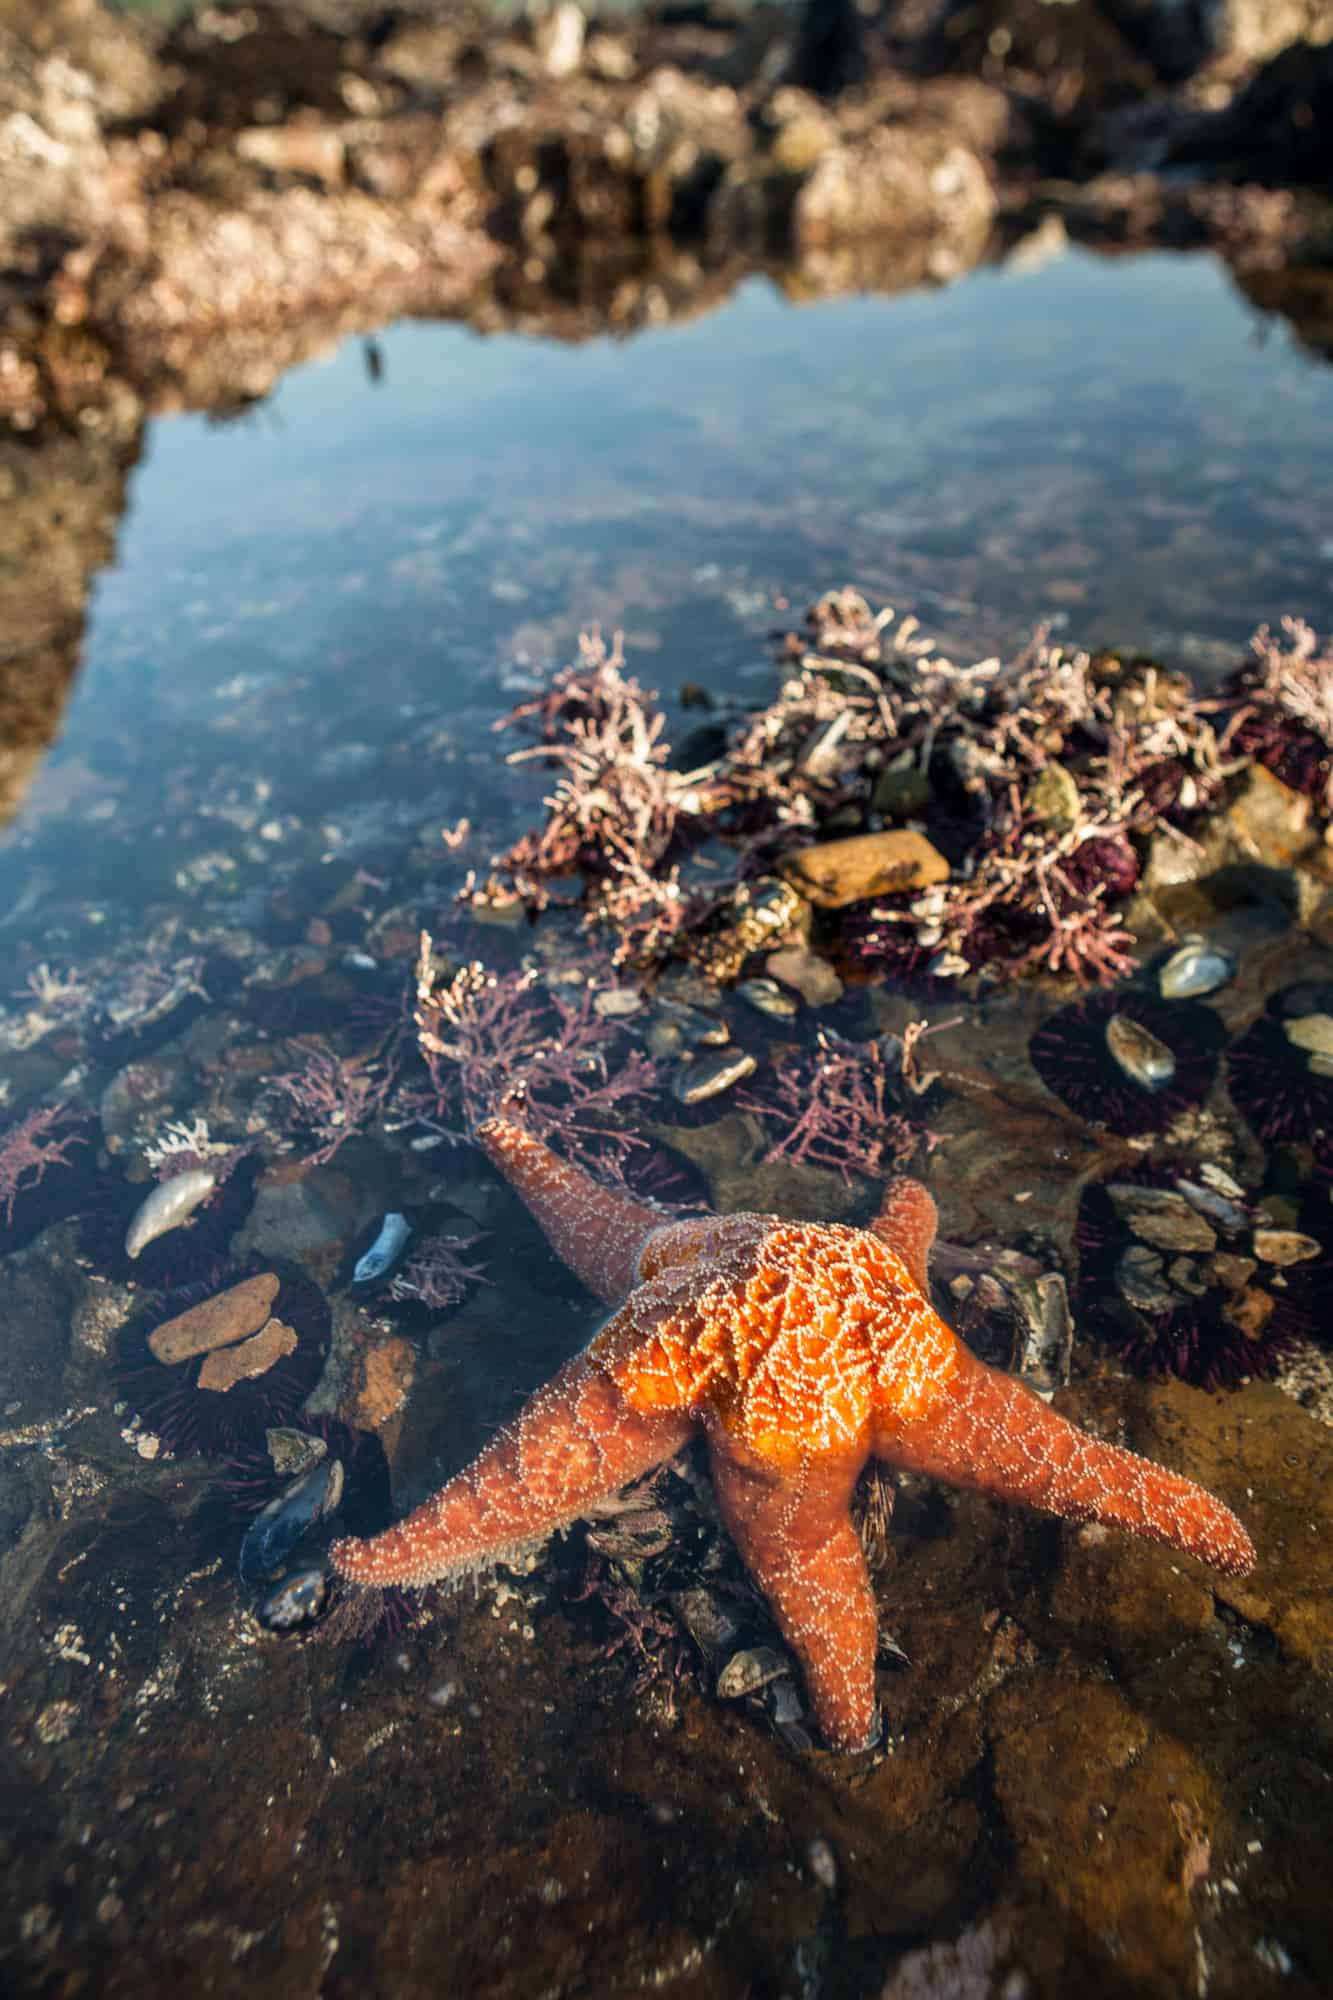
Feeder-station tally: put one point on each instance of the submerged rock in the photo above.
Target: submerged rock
(227, 1366)
(228, 1316)
(837, 872)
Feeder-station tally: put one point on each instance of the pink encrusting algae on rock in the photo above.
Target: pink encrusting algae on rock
(800, 1350)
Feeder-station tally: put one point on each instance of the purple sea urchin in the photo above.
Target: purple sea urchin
(1169, 1276)
(1279, 1076)
(1080, 1054)
(190, 1418)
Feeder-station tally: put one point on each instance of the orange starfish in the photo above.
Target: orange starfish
(800, 1350)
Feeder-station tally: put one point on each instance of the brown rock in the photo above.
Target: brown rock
(807, 974)
(869, 864)
(226, 1317)
(1114, 1818)
(381, 1385)
(227, 1366)
(1249, 1311)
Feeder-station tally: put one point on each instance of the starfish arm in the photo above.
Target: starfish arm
(990, 1432)
(574, 1442)
(796, 1538)
(907, 1220)
(597, 1231)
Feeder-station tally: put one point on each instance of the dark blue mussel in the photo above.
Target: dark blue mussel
(277, 1528)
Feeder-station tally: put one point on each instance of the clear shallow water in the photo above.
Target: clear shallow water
(291, 674)
(1121, 447)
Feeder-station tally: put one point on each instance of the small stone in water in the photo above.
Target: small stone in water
(695, 1082)
(837, 872)
(1160, 1216)
(1140, 1283)
(808, 974)
(1233, 1272)
(1189, 1275)
(229, 1315)
(1138, 1053)
(615, 1003)
(226, 1366)
(1285, 1246)
(1311, 1032)
(1195, 969)
(1249, 1312)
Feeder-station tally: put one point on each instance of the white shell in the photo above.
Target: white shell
(1196, 968)
(170, 1203)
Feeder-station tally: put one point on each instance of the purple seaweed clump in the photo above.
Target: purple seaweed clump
(435, 1274)
(29, 1148)
(511, 1043)
(1282, 710)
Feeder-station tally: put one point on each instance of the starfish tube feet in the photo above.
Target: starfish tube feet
(995, 1435)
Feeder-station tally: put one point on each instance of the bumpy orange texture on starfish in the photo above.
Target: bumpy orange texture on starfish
(800, 1350)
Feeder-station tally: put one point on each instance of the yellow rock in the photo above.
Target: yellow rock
(869, 864)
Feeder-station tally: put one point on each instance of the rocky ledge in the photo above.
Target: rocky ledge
(189, 211)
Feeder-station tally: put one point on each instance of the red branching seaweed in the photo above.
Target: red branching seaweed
(503, 1040)
(333, 1097)
(832, 1106)
(29, 1148)
(435, 1273)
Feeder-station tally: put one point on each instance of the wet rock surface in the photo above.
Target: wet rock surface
(1035, 1769)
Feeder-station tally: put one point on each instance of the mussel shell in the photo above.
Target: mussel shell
(1194, 969)
(277, 1528)
(1137, 1052)
(297, 1600)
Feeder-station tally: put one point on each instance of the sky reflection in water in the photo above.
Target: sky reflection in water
(1122, 446)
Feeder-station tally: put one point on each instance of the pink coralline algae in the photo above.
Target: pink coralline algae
(1281, 710)
(332, 1097)
(835, 1106)
(1037, 778)
(29, 1148)
(496, 1040)
(435, 1274)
